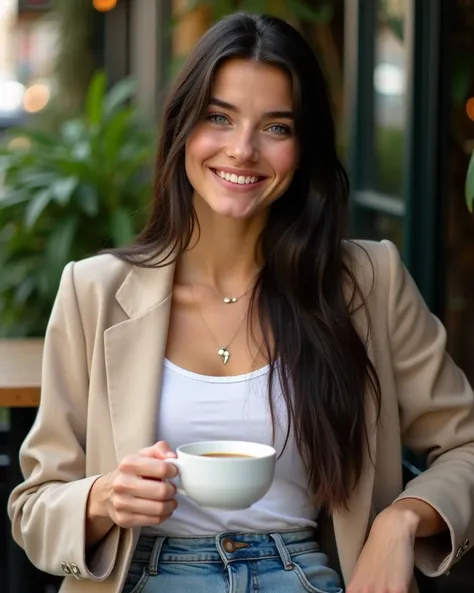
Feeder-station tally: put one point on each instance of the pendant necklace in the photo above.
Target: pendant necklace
(223, 351)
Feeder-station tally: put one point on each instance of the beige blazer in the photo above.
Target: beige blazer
(102, 368)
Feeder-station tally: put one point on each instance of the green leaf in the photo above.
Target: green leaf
(120, 93)
(13, 198)
(25, 289)
(114, 133)
(34, 178)
(95, 97)
(470, 184)
(58, 253)
(88, 200)
(81, 151)
(61, 239)
(62, 190)
(121, 228)
(73, 131)
(321, 15)
(35, 208)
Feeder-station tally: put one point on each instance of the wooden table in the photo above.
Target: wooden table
(20, 379)
(20, 372)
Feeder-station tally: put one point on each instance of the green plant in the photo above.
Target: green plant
(470, 184)
(65, 197)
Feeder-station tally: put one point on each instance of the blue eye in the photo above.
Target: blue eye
(279, 129)
(217, 118)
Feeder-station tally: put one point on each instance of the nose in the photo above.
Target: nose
(242, 147)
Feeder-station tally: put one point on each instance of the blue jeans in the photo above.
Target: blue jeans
(287, 562)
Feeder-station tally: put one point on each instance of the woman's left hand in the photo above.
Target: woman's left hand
(386, 563)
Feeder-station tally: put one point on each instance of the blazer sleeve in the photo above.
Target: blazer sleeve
(48, 509)
(436, 405)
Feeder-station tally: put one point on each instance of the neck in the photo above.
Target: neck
(222, 253)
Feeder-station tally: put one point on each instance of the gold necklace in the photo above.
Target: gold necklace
(232, 299)
(223, 351)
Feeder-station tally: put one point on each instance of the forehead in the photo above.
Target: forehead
(253, 85)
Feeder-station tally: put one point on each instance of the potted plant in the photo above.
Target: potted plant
(66, 196)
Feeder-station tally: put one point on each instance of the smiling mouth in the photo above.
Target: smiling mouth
(238, 179)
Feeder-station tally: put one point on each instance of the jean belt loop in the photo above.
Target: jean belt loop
(283, 551)
(155, 555)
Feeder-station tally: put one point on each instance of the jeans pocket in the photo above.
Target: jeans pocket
(137, 578)
(314, 574)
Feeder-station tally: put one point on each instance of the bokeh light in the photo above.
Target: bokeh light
(104, 5)
(470, 108)
(36, 98)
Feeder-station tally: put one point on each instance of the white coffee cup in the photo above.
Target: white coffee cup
(219, 482)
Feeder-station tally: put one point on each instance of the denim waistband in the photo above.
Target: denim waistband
(224, 547)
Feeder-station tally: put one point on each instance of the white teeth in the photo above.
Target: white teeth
(239, 180)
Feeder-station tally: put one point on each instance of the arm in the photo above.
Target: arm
(436, 407)
(48, 510)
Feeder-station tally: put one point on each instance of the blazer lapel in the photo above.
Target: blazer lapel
(134, 354)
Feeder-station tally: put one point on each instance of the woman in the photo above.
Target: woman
(242, 313)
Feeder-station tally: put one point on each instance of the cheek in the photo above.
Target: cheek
(284, 158)
(201, 146)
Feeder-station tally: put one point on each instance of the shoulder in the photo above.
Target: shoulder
(104, 270)
(376, 254)
(94, 280)
(372, 262)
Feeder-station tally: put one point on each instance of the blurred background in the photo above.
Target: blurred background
(81, 88)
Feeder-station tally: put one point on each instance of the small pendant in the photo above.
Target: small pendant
(224, 354)
(230, 300)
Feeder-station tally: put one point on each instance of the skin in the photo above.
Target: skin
(252, 132)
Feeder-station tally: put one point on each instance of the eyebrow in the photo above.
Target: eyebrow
(270, 114)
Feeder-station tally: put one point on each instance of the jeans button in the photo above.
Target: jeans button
(228, 545)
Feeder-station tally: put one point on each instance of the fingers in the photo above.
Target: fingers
(127, 519)
(160, 450)
(132, 485)
(128, 508)
(147, 467)
(139, 492)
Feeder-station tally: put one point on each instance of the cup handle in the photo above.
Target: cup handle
(178, 465)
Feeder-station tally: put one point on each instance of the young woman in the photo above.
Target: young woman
(242, 313)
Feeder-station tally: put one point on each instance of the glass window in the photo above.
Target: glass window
(390, 83)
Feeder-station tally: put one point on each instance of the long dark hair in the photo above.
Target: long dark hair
(305, 311)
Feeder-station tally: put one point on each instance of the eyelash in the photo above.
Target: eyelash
(284, 130)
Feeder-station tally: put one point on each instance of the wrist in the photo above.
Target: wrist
(96, 504)
(401, 518)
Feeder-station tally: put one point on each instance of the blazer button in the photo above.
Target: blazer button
(459, 552)
(75, 569)
(65, 568)
(465, 544)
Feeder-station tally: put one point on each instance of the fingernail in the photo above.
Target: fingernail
(170, 454)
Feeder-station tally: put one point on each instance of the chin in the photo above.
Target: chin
(232, 208)
(233, 213)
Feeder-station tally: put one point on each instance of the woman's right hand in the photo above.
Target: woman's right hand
(137, 493)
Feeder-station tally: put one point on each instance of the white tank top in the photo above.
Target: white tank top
(201, 408)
